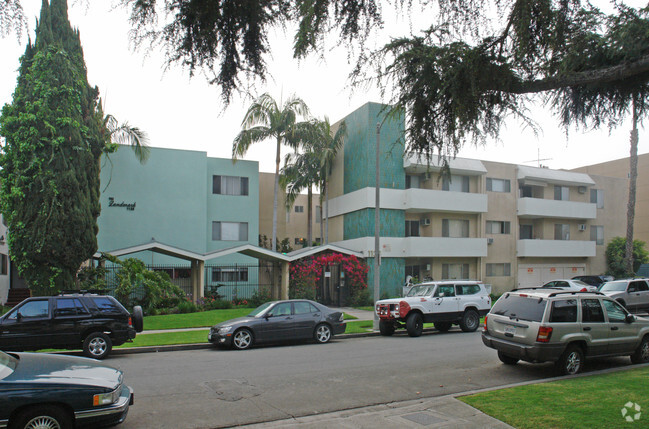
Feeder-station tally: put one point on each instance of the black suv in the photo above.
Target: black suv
(84, 320)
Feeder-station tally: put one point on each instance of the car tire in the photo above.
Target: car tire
(322, 333)
(414, 324)
(97, 345)
(641, 354)
(506, 359)
(138, 318)
(470, 321)
(571, 361)
(242, 339)
(443, 326)
(45, 416)
(386, 328)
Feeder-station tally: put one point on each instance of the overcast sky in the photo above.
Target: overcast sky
(183, 113)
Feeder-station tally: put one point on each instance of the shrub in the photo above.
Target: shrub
(187, 307)
(360, 298)
(261, 296)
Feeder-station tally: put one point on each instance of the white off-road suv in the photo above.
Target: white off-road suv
(443, 303)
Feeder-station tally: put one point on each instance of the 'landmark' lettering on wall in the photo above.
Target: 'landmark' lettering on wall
(129, 206)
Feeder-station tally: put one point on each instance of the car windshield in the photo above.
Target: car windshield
(520, 307)
(257, 311)
(613, 287)
(421, 290)
(8, 364)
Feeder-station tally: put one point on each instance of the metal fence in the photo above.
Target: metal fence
(229, 282)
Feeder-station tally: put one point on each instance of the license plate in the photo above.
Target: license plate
(510, 330)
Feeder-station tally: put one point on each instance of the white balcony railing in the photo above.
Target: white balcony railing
(399, 247)
(537, 207)
(555, 248)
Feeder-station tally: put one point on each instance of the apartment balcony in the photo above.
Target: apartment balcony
(412, 247)
(555, 248)
(541, 208)
(427, 200)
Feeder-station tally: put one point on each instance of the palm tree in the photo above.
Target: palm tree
(125, 134)
(331, 141)
(265, 119)
(302, 171)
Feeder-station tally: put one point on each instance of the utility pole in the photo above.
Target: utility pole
(377, 230)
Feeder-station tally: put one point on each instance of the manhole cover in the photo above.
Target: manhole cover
(423, 419)
(233, 390)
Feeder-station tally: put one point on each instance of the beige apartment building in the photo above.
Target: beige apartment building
(292, 222)
(620, 168)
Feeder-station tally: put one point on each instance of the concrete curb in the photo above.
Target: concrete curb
(201, 346)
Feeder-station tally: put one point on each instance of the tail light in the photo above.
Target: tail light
(485, 324)
(584, 289)
(544, 334)
(130, 321)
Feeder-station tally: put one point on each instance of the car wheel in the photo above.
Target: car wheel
(641, 354)
(506, 359)
(571, 361)
(386, 328)
(443, 326)
(414, 324)
(43, 417)
(322, 333)
(242, 339)
(138, 318)
(470, 321)
(97, 345)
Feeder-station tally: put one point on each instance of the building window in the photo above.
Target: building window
(230, 231)
(526, 191)
(4, 264)
(299, 209)
(499, 270)
(229, 275)
(561, 231)
(412, 228)
(229, 185)
(456, 228)
(597, 234)
(300, 241)
(413, 271)
(526, 232)
(498, 185)
(498, 227)
(455, 183)
(455, 271)
(597, 197)
(412, 181)
(561, 193)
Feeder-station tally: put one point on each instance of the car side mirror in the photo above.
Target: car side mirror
(630, 318)
(18, 315)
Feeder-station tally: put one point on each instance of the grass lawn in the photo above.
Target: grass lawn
(585, 402)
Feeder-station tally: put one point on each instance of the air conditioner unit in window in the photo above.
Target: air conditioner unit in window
(582, 227)
(581, 189)
(425, 221)
(490, 240)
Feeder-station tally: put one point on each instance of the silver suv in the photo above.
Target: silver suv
(631, 293)
(443, 303)
(541, 325)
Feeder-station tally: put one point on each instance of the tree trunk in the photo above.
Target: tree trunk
(322, 237)
(630, 210)
(277, 157)
(309, 214)
(326, 236)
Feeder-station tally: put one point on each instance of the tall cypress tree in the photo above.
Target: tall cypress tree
(55, 135)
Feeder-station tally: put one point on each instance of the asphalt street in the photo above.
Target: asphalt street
(213, 388)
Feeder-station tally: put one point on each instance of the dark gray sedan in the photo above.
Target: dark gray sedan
(278, 321)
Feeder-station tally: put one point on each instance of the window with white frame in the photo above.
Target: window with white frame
(597, 234)
(597, 197)
(498, 185)
(229, 185)
(456, 228)
(498, 227)
(561, 231)
(229, 274)
(499, 270)
(561, 193)
(455, 183)
(455, 271)
(412, 181)
(299, 209)
(4, 264)
(230, 231)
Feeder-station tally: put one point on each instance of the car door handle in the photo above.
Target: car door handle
(614, 328)
(587, 328)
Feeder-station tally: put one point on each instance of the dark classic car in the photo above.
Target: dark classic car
(279, 321)
(88, 321)
(47, 391)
